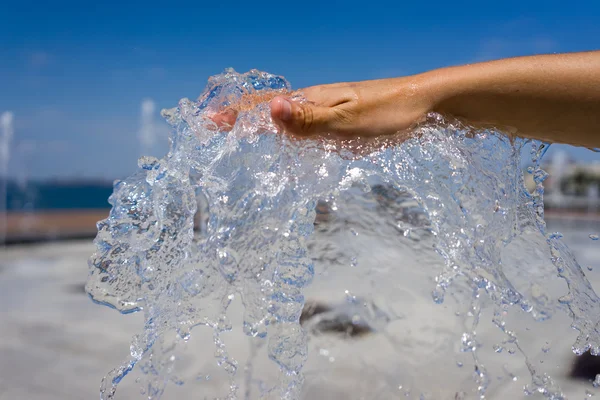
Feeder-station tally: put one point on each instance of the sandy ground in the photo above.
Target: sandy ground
(25, 226)
(56, 344)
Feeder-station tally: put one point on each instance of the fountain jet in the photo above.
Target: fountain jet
(147, 132)
(6, 121)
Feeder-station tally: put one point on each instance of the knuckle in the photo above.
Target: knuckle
(307, 120)
(343, 117)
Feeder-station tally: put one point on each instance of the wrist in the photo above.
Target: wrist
(443, 87)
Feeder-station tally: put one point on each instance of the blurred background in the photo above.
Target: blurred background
(81, 89)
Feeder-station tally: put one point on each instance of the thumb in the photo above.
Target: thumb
(301, 119)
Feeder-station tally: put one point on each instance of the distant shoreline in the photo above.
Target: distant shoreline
(48, 225)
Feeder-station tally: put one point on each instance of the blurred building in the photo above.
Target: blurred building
(570, 185)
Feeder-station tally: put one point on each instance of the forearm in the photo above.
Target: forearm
(551, 97)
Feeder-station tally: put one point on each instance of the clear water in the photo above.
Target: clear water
(424, 241)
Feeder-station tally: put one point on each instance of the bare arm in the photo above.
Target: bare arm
(550, 97)
(554, 98)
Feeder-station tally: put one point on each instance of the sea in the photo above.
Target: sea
(57, 195)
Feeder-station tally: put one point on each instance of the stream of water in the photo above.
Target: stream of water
(421, 242)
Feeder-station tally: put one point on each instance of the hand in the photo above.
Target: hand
(349, 110)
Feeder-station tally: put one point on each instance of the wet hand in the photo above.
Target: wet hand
(349, 110)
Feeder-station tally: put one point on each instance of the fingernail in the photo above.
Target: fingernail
(286, 110)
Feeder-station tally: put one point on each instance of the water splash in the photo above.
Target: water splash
(449, 189)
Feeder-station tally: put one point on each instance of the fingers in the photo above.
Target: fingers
(301, 119)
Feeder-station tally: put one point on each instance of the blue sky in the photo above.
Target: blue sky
(75, 74)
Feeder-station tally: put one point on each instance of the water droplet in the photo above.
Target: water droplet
(546, 347)
(593, 236)
(596, 382)
(590, 268)
(350, 298)
(469, 343)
